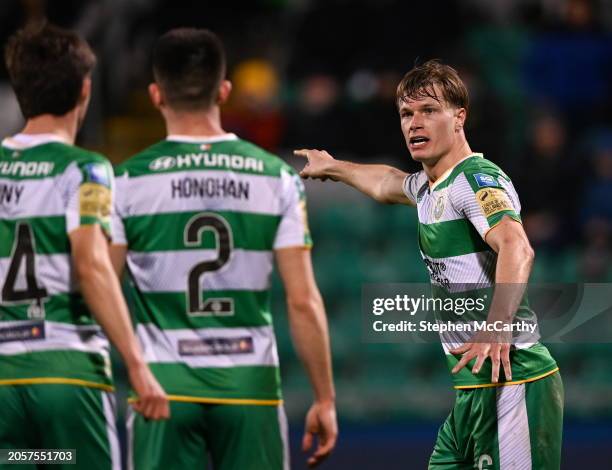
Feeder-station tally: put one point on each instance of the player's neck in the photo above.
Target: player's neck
(65, 126)
(194, 123)
(447, 161)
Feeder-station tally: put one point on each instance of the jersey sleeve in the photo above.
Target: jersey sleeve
(119, 207)
(484, 196)
(91, 195)
(293, 228)
(412, 185)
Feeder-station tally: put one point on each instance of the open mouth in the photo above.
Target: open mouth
(418, 141)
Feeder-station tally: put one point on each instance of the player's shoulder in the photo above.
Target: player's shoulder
(140, 162)
(93, 166)
(479, 172)
(272, 165)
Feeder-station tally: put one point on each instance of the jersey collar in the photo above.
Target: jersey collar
(202, 139)
(447, 173)
(24, 141)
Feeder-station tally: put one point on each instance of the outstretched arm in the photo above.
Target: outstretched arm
(308, 326)
(381, 182)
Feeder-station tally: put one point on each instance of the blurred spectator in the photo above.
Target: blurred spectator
(253, 111)
(548, 184)
(317, 118)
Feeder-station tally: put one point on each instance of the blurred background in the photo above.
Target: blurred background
(322, 74)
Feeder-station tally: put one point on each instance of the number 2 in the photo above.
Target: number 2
(225, 244)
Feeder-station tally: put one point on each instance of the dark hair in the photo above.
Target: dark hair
(46, 66)
(420, 81)
(189, 65)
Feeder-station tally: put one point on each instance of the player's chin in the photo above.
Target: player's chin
(420, 155)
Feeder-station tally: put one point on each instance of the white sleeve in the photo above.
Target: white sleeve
(293, 228)
(121, 184)
(412, 184)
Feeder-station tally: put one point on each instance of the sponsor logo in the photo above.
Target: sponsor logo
(97, 173)
(95, 200)
(19, 168)
(483, 180)
(205, 159)
(30, 331)
(162, 163)
(492, 201)
(216, 346)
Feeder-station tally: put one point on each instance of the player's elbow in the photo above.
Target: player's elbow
(88, 267)
(303, 303)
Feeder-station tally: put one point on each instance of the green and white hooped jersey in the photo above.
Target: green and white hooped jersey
(201, 218)
(48, 189)
(455, 214)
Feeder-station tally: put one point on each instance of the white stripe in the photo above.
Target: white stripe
(168, 271)
(38, 198)
(131, 417)
(108, 402)
(513, 428)
(162, 346)
(152, 194)
(283, 428)
(58, 336)
(53, 272)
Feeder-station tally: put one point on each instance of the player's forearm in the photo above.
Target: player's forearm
(311, 339)
(514, 262)
(380, 182)
(102, 292)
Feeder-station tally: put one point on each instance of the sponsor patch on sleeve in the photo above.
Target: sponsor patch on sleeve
(486, 181)
(94, 200)
(97, 173)
(493, 200)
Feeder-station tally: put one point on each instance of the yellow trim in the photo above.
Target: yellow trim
(219, 401)
(503, 384)
(58, 380)
(516, 219)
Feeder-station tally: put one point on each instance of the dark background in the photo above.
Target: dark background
(322, 74)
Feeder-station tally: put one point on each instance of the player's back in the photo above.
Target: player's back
(48, 189)
(201, 219)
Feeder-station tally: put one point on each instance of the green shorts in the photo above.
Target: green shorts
(516, 427)
(235, 437)
(60, 416)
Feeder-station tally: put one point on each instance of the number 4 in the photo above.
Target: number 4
(24, 250)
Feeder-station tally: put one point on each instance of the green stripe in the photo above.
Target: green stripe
(63, 308)
(49, 235)
(256, 382)
(525, 364)
(168, 310)
(139, 165)
(67, 364)
(162, 232)
(460, 238)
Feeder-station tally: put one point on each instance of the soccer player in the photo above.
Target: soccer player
(470, 233)
(56, 278)
(201, 216)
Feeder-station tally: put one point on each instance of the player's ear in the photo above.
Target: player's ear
(460, 116)
(156, 95)
(85, 90)
(224, 91)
